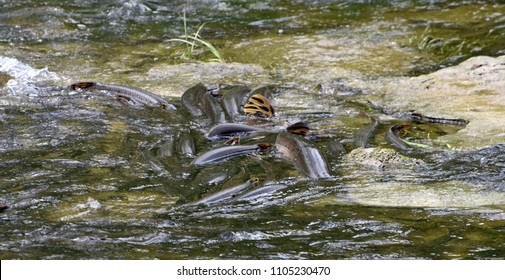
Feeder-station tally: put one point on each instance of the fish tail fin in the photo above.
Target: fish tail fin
(299, 128)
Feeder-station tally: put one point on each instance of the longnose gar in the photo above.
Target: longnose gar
(129, 93)
(224, 153)
(394, 139)
(361, 136)
(255, 193)
(231, 129)
(308, 160)
(229, 194)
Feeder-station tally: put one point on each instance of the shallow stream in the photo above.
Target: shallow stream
(85, 176)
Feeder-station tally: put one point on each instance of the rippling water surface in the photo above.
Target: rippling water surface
(87, 177)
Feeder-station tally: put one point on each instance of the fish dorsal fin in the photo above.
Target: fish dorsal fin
(259, 106)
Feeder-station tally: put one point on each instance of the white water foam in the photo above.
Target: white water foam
(24, 77)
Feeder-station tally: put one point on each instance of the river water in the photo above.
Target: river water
(87, 177)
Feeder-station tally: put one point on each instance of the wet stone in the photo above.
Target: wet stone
(473, 90)
(380, 158)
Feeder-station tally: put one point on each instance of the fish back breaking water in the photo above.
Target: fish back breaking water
(129, 93)
(305, 158)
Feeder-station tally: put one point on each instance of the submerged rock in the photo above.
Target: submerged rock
(379, 159)
(433, 194)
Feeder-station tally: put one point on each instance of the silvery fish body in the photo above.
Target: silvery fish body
(190, 99)
(260, 192)
(394, 139)
(224, 153)
(361, 136)
(232, 100)
(136, 94)
(228, 194)
(231, 129)
(306, 159)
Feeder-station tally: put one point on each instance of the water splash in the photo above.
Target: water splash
(23, 78)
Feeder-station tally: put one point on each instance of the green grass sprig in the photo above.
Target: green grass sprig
(194, 40)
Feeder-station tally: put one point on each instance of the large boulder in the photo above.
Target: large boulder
(473, 90)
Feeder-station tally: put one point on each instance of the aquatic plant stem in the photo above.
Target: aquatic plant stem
(195, 40)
